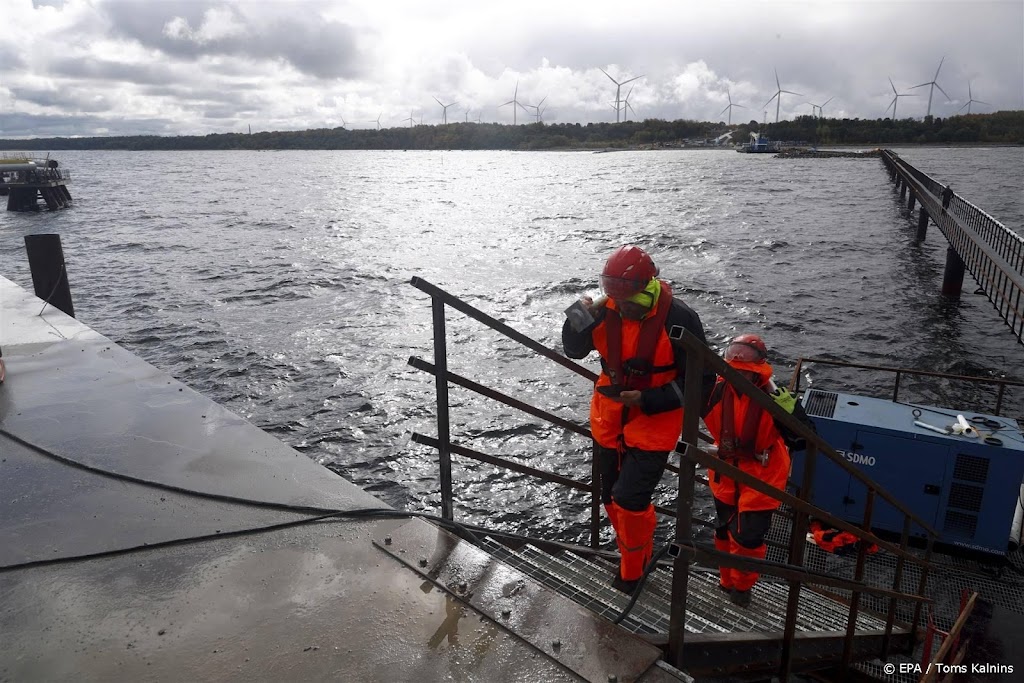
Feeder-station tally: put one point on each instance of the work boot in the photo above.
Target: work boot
(627, 587)
(740, 598)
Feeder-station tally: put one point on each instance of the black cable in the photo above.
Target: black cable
(638, 589)
(165, 487)
(467, 531)
(68, 559)
(1010, 436)
(54, 290)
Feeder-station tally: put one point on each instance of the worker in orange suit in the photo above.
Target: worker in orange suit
(747, 437)
(636, 411)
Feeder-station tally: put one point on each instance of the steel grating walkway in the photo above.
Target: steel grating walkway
(1002, 586)
(587, 582)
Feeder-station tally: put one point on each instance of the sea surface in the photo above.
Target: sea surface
(277, 283)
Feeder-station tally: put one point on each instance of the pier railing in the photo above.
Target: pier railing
(992, 253)
(685, 549)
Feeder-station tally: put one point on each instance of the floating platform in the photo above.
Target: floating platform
(26, 182)
(147, 533)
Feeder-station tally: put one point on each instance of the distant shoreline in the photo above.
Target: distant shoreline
(866, 147)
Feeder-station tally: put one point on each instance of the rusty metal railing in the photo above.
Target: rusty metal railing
(699, 355)
(686, 549)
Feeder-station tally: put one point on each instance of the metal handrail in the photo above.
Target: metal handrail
(899, 372)
(993, 253)
(698, 354)
(741, 383)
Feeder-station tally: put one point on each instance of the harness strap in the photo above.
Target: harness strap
(650, 333)
(732, 444)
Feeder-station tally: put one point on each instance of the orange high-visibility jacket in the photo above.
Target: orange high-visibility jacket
(657, 432)
(753, 432)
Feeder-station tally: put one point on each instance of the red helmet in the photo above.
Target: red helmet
(627, 271)
(748, 348)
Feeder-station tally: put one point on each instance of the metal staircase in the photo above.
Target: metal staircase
(727, 640)
(791, 626)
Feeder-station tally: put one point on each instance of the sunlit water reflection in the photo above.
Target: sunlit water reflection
(277, 283)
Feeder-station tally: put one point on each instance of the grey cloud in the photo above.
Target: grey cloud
(32, 125)
(238, 93)
(325, 49)
(74, 99)
(220, 112)
(9, 58)
(103, 70)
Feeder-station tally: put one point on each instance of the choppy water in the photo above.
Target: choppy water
(277, 284)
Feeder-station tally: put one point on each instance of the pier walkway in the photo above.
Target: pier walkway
(979, 243)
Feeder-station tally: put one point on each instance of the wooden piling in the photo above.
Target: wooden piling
(910, 202)
(953, 275)
(33, 181)
(903, 191)
(49, 273)
(922, 225)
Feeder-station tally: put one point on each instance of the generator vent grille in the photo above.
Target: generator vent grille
(961, 523)
(970, 468)
(821, 403)
(966, 497)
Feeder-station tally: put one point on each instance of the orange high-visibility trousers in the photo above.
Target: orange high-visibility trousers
(634, 533)
(745, 580)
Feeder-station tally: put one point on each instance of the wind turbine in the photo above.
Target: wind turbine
(627, 108)
(970, 98)
(896, 97)
(411, 120)
(731, 105)
(778, 96)
(445, 108)
(344, 123)
(535, 108)
(378, 120)
(820, 108)
(618, 90)
(933, 85)
(514, 102)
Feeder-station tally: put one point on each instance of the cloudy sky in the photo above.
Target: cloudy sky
(184, 67)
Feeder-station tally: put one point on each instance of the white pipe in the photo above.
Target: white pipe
(1018, 521)
(965, 428)
(925, 425)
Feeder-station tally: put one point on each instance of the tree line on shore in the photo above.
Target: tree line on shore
(1004, 127)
